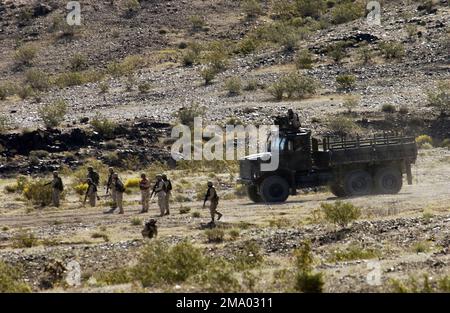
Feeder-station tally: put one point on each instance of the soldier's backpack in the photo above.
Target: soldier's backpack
(95, 178)
(169, 186)
(59, 184)
(120, 187)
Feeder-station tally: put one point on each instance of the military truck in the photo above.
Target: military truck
(350, 167)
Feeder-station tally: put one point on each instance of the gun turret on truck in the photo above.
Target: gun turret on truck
(355, 167)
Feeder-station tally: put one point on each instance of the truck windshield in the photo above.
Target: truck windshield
(279, 143)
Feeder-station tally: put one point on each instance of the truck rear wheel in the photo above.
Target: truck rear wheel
(274, 189)
(358, 183)
(388, 180)
(252, 192)
(337, 190)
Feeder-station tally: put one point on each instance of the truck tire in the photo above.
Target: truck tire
(274, 189)
(337, 190)
(388, 180)
(358, 183)
(252, 193)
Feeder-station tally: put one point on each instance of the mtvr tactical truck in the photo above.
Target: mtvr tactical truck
(354, 167)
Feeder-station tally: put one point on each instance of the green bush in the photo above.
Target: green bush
(144, 87)
(305, 280)
(440, 99)
(219, 277)
(365, 54)
(234, 86)
(252, 8)
(423, 140)
(388, 108)
(392, 50)
(196, 214)
(346, 82)
(53, 114)
(186, 115)
(25, 55)
(251, 85)
(185, 210)
(346, 12)
(190, 58)
(77, 78)
(6, 90)
(340, 213)
(126, 66)
(354, 252)
(197, 22)
(208, 74)
(37, 79)
(247, 45)
(4, 123)
(234, 233)
(78, 62)
(39, 194)
(161, 264)
(25, 92)
(350, 103)
(103, 126)
(24, 239)
(11, 280)
(310, 8)
(336, 51)
(214, 235)
(304, 60)
(104, 87)
(293, 85)
(248, 256)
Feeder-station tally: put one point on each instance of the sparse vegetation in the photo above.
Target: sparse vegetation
(350, 103)
(78, 62)
(392, 50)
(342, 126)
(252, 8)
(36, 192)
(53, 114)
(98, 235)
(345, 81)
(337, 51)
(293, 85)
(388, 108)
(365, 54)
(197, 22)
(305, 280)
(346, 12)
(234, 86)
(214, 235)
(354, 252)
(208, 74)
(304, 60)
(37, 79)
(135, 221)
(440, 98)
(25, 55)
(11, 280)
(24, 239)
(105, 127)
(422, 140)
(427, 285)
(340, 213)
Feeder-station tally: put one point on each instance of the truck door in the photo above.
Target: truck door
(298, 153)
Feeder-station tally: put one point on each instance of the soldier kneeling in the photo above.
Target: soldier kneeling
(150, 229)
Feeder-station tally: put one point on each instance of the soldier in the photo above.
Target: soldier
(119, 189)
(145, 186)
(160, 190)
(293, 119)
(168, 185)
(91, 193)
(57, 188)
(109, 187)
(93, 175)
(150, 229)
(213, 198)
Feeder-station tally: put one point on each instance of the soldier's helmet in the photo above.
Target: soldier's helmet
(210, 184)
(164, 176)
(55, 173)
(90, 168)
(143, 175)
(111, 170)
(158, 176)
(115, 175)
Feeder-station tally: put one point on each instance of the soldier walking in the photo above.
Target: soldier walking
(95, 177)
(168, 187)
(160, 190)
(145, 186)
(57, 188)
(119, 189)
(213, 198)
(91, 193)
(110, 187)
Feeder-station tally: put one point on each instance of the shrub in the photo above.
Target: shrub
(104, 87)
(427, 285)
(403, 110)
(283, 9)
(336, 51)
(79, 176)
(208, 74)
(219, 277)
(445, 143)
(4, 123)
(350, 103)
(340, 213)
(103, 126)
(312, 8)
(196, 214)
(421, 247)
(144, 87)
(36, 192)
(251, 85)
(365, 54)
(190, 58)
(388, 108)
(132, 7)
(98, 235)
(234, 86)
(132, 183)
(411, 30)
(161, 264)
(440, 99)
(25, 92)
(37, 79)
(53, 114)
(11, 188)
(78, 62)
(248, 256)
(184, 210)
(25, 54)
(354, 252)
(81, 188)
(24, 239)
(126, 66)
(186, 115)
(7, 90)
(293, 85)
(424, 139)
(392, 50)
(77, 78)
(247, 45)
(346, 12)
(197, 22)
(252, 8)
(304, 60)
(135, 221)
(345, 82)
(234, 233)
(11, 280)
(305, 280)
(214, 235)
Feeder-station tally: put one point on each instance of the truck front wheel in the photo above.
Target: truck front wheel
(337, 190)
(388, 180)
(274, 189)
(252, 192)
(358, 183)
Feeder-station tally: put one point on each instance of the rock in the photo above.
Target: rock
(42, 9)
